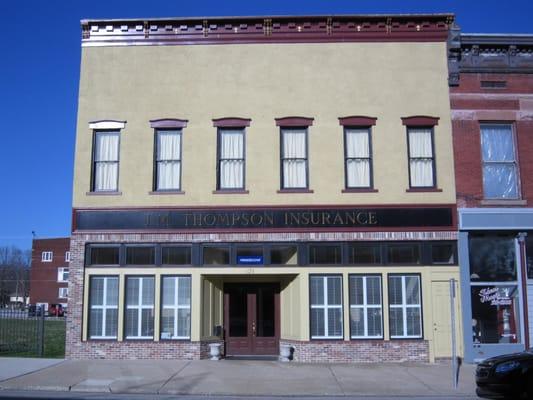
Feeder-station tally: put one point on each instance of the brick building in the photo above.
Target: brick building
(263, 181)
(50, 259)
(492, 117)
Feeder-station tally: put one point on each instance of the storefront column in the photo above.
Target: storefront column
(196, 306)
(466, 301)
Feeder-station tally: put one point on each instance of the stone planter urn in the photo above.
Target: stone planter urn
(214, 351)
(284, 352)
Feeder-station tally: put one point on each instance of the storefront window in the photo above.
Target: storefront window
(495, 314)
(492, 259)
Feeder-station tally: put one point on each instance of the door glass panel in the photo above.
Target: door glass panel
(265, 312)
(238, 312)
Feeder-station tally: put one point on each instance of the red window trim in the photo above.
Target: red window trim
(420, 120)
(168, 123)
(294, 121)
(357, 120)
(231, 122)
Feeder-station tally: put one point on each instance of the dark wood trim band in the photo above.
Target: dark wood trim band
(422, 190)
(420, 120)
(168, 123)
(231, 122)
(294, 121)
(357, 120)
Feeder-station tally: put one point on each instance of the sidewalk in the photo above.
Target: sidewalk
(242, 378)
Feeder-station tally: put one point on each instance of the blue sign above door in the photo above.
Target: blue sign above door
(250, 260)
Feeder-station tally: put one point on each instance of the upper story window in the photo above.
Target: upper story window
(106, 144)
(231, 153)
(167, 153)
(67, 256)
(168, 160)
(500, 172)
(294, 152)
(62, 274)
(357, 151)
(46, 256)
(230, 171)
(421, 151)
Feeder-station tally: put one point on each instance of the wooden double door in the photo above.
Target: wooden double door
(251, 318)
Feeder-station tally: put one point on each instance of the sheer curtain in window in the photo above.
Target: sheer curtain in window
(106, 161)
(168, 160)
(421, 157)
(231, 159)
(500, 178)
(357, 158)
(294, 158)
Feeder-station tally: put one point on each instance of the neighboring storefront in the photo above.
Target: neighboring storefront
(492, 119)
(264, 181)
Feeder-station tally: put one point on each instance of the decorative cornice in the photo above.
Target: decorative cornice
(168, 123)
(486, 53)
(294, 121)
(268, 29)
(231, 122)
(357, 120)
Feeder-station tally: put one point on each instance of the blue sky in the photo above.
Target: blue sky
(40, 47)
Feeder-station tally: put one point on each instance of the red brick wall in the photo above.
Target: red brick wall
(44, 287)
(471, 105)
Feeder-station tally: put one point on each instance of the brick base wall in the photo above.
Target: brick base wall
(364, 351)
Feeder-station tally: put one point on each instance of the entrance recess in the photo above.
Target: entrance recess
(251, 318)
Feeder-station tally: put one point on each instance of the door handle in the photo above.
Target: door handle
(253, 328)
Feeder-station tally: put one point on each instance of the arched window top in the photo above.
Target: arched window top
(420, 120)
(294, 121)
(357, 120)
(168, 123)
(107, 124)
(231, 122)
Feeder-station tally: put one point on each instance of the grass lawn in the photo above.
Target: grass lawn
(19, 337)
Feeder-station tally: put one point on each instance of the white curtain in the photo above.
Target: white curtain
(169, 163)
(421, 157)
(357, 158)
(106, 161)
(294, 159)
(231, 159)
(500, 178)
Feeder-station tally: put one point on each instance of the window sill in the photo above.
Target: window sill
(295, 191)
(164, 192)
(230, 191)
(423, 190)
(359, 190)
(504, 202)
(104, 193)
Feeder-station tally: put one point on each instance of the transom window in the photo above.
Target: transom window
(230, 158)
(405, 309)
(106, 161)
(500, 172)
(366, 307)
(168, 159)
(103, 307)
(326, 306)
(294, 164)
(421, 157)
(358, 161)
(139, 307)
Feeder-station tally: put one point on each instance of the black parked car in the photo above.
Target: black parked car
(508, 376)
(34, 310)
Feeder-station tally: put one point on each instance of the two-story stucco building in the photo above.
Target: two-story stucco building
(258, 181)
